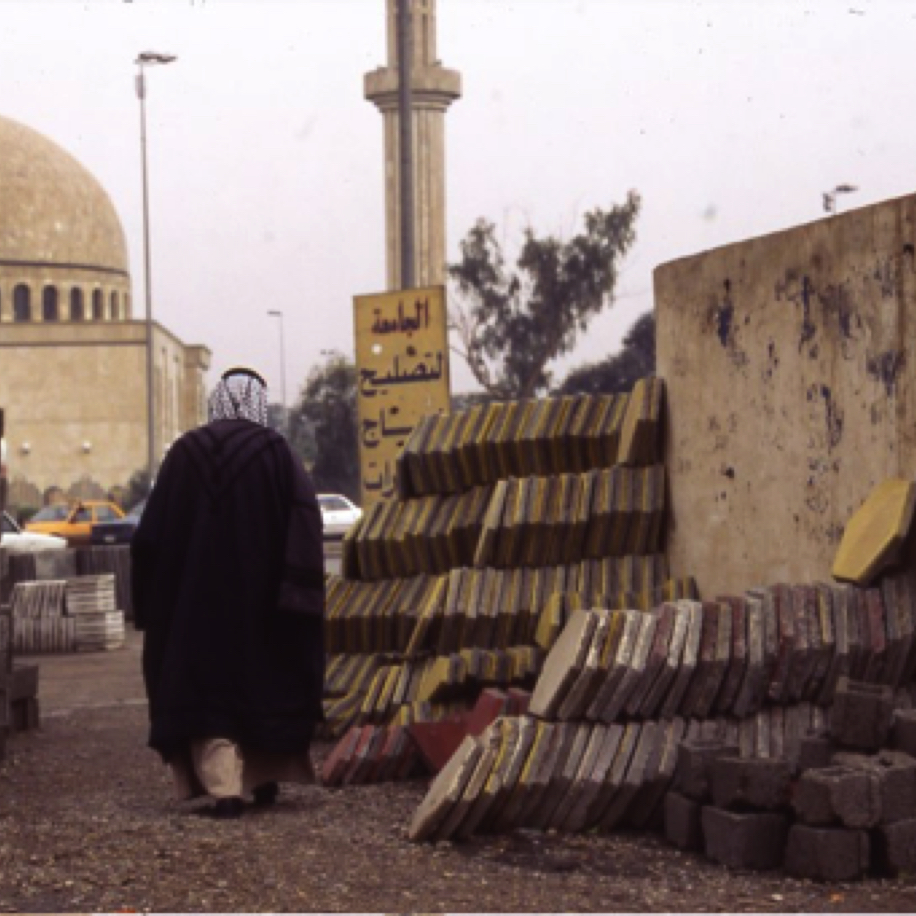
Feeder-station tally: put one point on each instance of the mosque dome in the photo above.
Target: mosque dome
(54, 211)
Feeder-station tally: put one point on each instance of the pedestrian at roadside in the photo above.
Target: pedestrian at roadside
(228, 588)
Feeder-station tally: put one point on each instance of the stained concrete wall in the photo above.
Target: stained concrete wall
(791, 368)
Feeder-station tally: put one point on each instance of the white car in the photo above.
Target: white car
(16, 540)
(338, 514)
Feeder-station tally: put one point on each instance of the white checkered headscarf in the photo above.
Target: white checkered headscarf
(239, 395)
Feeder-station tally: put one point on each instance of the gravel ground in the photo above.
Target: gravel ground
(87, 824)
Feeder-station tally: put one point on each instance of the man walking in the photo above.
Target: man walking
(228, 585)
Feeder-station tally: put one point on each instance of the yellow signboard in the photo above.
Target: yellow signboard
(402, 370)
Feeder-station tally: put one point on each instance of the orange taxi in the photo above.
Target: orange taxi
(73, 522)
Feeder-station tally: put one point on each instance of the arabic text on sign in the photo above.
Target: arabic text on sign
(371, 379)
(403, 324)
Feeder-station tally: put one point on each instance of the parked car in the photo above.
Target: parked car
(73, 522)
(338, 514)
(118, 531)
(16, 540)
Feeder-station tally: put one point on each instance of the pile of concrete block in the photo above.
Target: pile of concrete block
(733, 656)
(508, 518)
(484, 608)
(67, 615)
(620, 690)
(374, 689)
(70, 563)
(528, 521)
(845, 806)
(523, 772)
(551, 436)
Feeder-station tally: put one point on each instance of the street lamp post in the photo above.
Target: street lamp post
(148, 58)
(277, 314)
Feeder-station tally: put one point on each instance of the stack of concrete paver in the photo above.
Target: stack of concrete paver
(70, 563)
(619, 690)
(509, 517)
(67, 615)
(844, 807)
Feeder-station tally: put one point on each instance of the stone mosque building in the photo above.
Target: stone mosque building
(72, 354)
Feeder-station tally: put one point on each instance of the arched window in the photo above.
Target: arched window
(49, 303)
(76, 304)
(114, 307)
(22, 303)
(97, 306)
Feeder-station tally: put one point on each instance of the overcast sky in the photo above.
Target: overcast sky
(730, 119)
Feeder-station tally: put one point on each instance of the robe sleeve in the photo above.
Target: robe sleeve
(302, 584)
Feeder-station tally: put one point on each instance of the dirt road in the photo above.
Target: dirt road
(87, 825)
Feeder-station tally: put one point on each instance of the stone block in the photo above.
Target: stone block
(445, 790)
(558, 768)
(862, 714)
(874, 535)
(509, 816)
(896, 772)
(490, 705)
(737, 665)
(437, 741)
(683, 824)
(894, 848)
(336, 763)
(563, 665)
(690, 659)
(634, 669)
(650, 797)
(634, 779)
(780, 597)
(810, 643)
(749, 840)
(365, 757)
(737, 784)
(509, 774)
(616, 774)
(583, 690)
(876, 641)
(24, 715)
(671, 664)
(823, 640)
(655, 658)
(815, 750)
(23, 682)
(390, 755)
(568, 818)
(827, 854)
(753, 687)
(549, 762)
(617, 665)
(483, 806)
(518, 701)
(706, 653)
(903, 731)
(838, 795)
(694, 755)
(453, 822)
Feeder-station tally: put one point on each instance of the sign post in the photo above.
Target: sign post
(402, 373)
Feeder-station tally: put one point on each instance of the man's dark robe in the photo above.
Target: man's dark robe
(228, 585)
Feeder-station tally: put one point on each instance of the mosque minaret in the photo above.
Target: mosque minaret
(433, 89)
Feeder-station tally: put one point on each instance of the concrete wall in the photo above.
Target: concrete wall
(791, 368)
